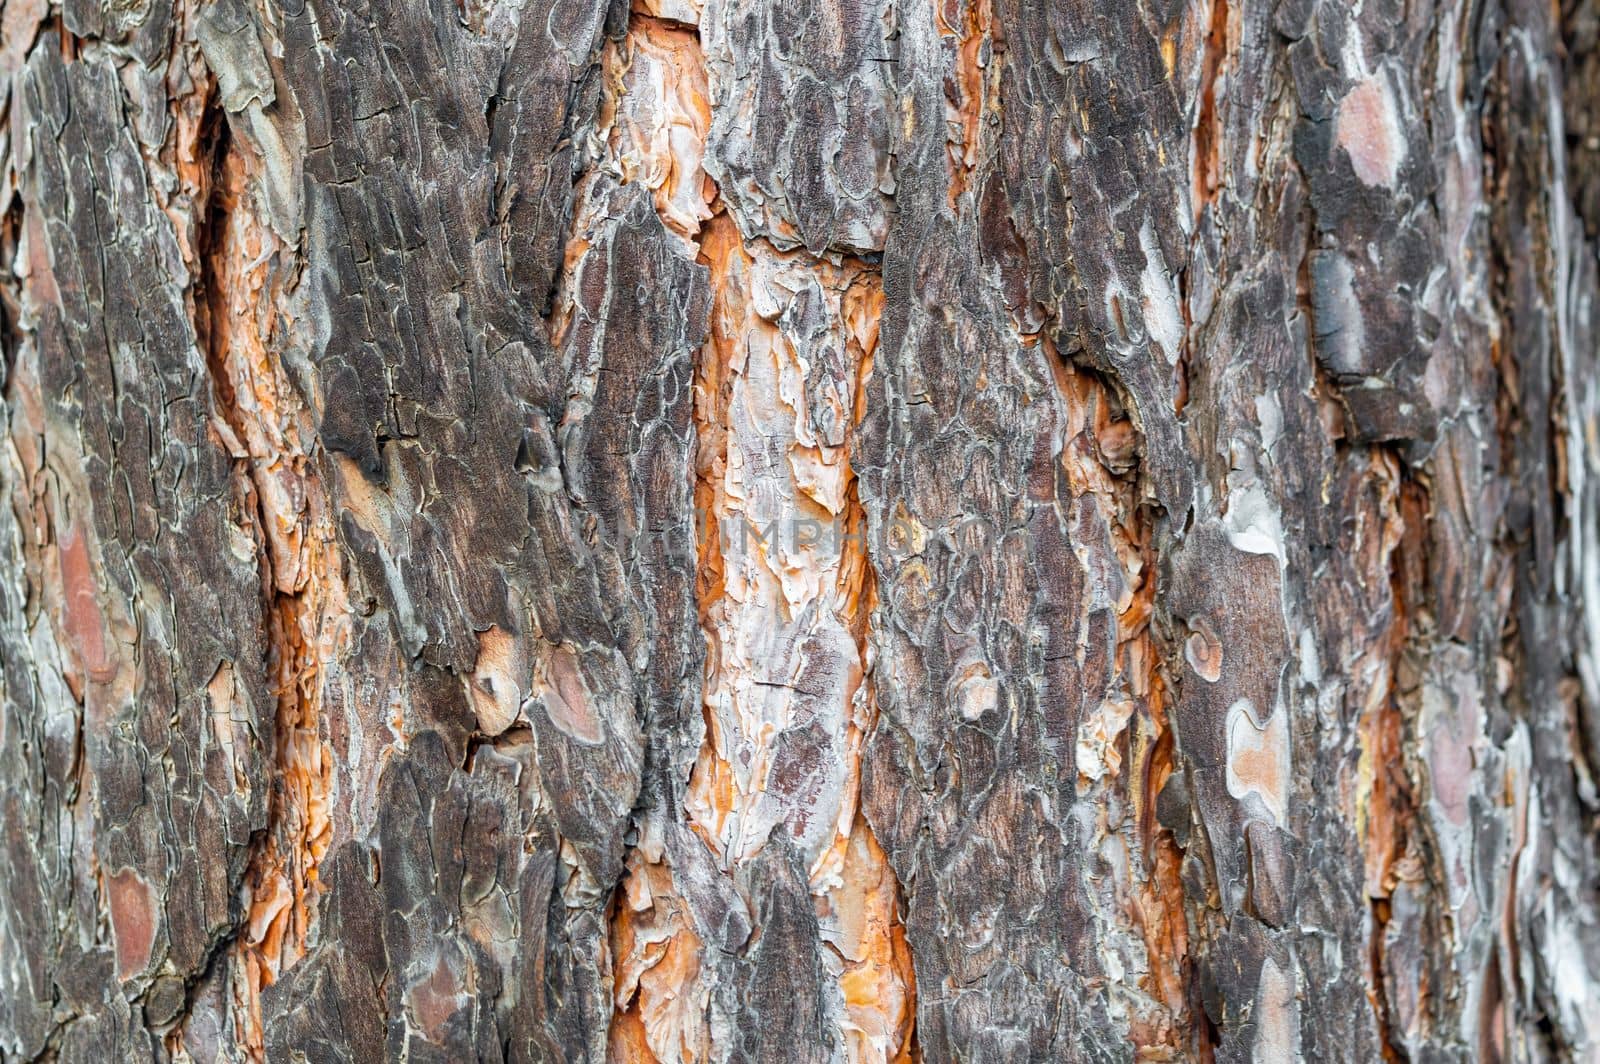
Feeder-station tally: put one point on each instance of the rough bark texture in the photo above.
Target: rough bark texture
(784, 530)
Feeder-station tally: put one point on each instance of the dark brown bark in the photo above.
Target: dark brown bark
(790, 531)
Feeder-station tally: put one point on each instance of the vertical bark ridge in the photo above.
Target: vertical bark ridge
(1012, 473)
(1545, 304)
(140, 542)
(505, 514)
(654, 118)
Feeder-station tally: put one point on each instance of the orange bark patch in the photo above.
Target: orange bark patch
(1369, 131)
(1385, 807)
(783, 584)
(860, 920)
(495, 689)
(433, 1001)
(660, 1001)
(558, 685)
(134, 913)
(782, 564)
(1208, 126)
(1258, 757)
(1204, 654)
(81, 605)
(1124, 745)
(659, 115)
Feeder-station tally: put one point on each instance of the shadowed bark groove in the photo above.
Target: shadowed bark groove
(778, 530)
(244, 267)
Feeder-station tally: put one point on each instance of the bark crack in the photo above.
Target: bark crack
(242, 297)
(785, 595)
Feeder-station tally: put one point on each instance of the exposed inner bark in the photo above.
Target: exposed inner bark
(784, 591)
(244, 266)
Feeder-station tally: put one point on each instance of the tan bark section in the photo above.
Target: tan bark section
(786, 595)
(661, 992)
(784, 585)
(270, 431)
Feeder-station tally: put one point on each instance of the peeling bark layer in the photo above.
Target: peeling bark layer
(948, 530)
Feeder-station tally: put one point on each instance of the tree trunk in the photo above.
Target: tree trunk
(779, 530)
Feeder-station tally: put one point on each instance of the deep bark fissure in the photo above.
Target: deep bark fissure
(241, 271)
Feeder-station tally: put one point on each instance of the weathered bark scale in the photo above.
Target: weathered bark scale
(779, 530)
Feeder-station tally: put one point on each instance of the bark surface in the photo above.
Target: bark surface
(787, 530)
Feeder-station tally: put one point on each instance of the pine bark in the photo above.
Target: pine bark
(784, 530)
